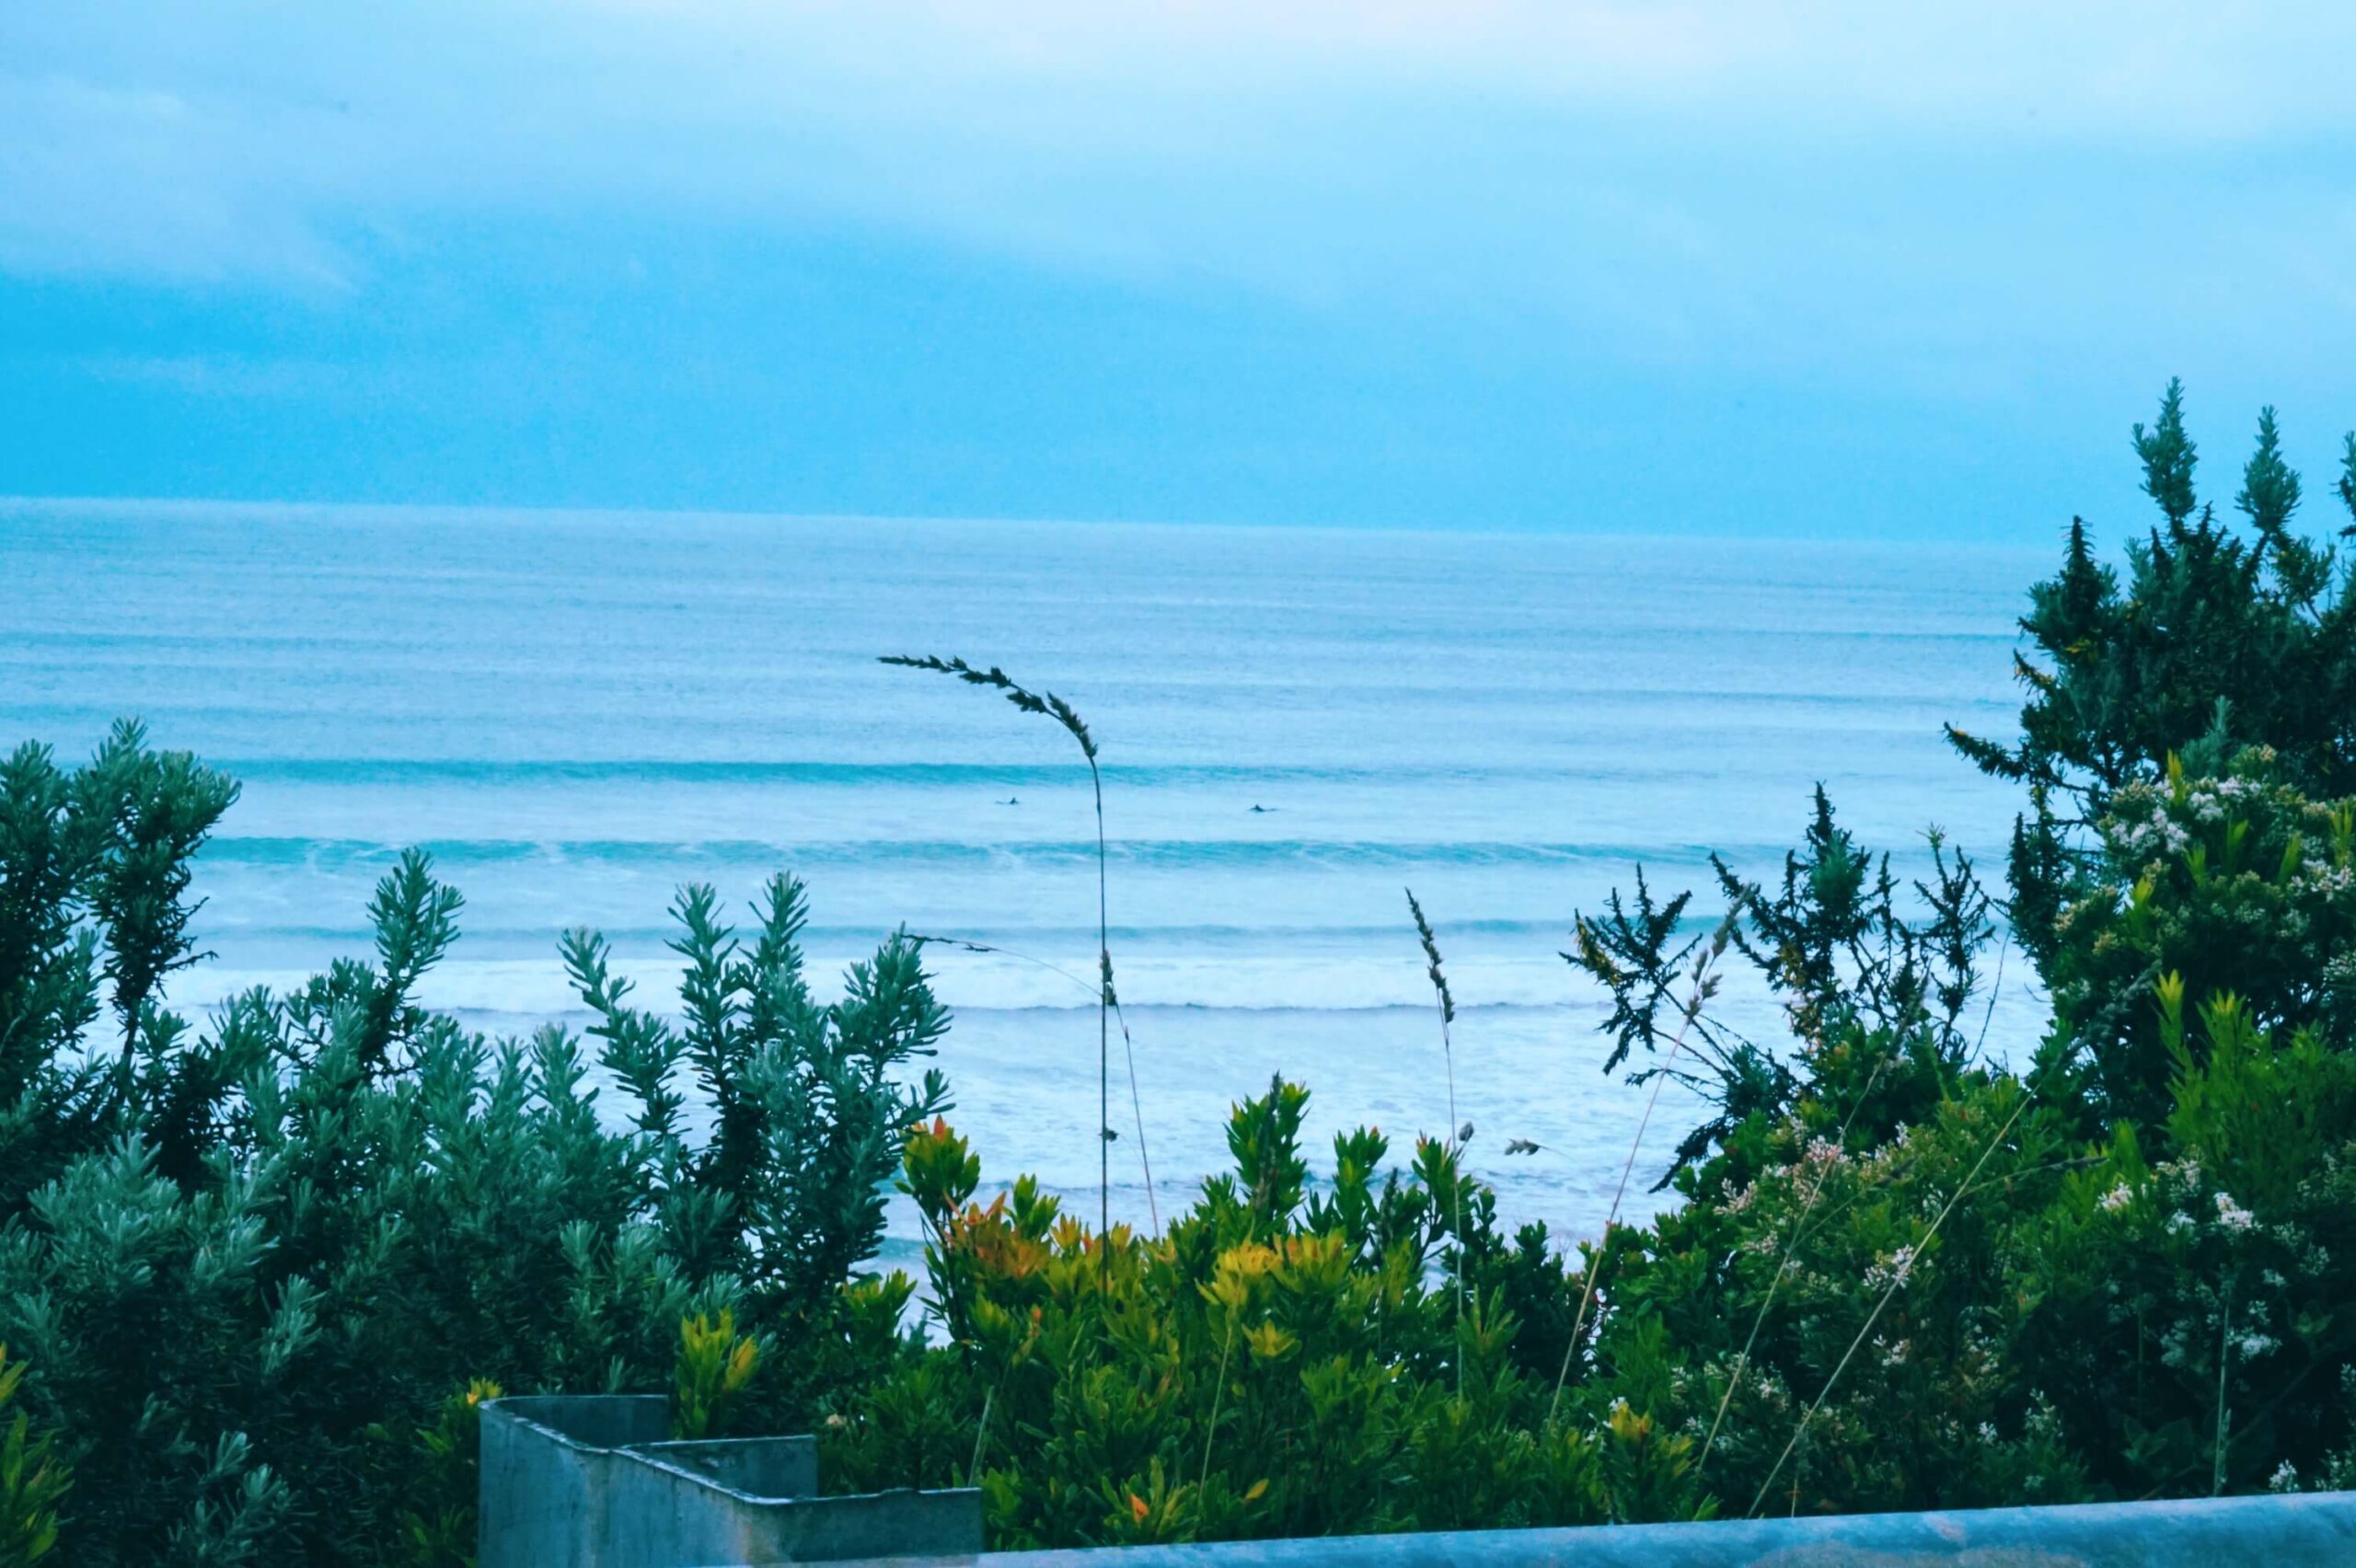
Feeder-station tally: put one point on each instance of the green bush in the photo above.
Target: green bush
(1914, 1282)
(2211, 631)
(31, 1482)
(239, 1257)
(2226, 875)
(1273, 1363)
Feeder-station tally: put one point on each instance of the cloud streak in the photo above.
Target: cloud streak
(262, 143)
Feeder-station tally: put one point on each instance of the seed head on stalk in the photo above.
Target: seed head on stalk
(1048, 705)
(1458, 1132)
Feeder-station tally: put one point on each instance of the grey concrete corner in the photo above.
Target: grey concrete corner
(589, 1481)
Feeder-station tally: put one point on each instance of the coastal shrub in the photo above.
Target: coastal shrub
(2222, 873)
(715, 1366)
(31, 1481)
(1983, 1307)
(1865, 965)
(242, 1258)
(1278, 1361)
(2252, 633)
(1978, 1309)
(1903, 1276)
(434, 1473)
(1944, 1294)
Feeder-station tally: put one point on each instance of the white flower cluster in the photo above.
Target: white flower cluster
(2209, 798)
(2323, 879)
(1885, 1275)
(2232, 1216)
(2159, 832)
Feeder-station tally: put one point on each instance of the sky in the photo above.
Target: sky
(1725, 267)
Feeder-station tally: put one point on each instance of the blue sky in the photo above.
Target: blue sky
(1722, 267)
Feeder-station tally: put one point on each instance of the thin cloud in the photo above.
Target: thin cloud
(226, 142)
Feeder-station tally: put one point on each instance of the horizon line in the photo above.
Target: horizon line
(526, 511)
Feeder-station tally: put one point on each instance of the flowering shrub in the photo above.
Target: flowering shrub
(2230, 880)
(1903, 1276)
(1276, 1363)
(2084, 1323)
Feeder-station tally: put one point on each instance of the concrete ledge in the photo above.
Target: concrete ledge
(2290, 1532)
(589, 1481)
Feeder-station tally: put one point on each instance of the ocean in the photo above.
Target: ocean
(575, 713)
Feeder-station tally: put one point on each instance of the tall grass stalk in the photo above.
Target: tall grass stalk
(1455, 1140)
(1704, 986)
(1218, 1392)
(1048, 705)
(2225, 1367)
(1120, 1020)
(1798, 1230)
(981, 1437)
(1784, 1259)
(1896, 1285)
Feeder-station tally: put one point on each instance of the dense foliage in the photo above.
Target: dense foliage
(30, 1481)
(1903, 1276)
(2212, 632)
(252, 1267)
(1277, 1362)
(256, 1275)
(1914, 1280)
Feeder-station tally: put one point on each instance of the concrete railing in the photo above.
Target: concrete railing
(2305, 1531)
(589, 1482)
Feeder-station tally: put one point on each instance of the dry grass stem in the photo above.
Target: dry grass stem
(1704, 986)
(1448, 1050)
(1793, 1236)
(1120, 1020)
(1896, 1285)
(1048, 705)
(1219, 1391)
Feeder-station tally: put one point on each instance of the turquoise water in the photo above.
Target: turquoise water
(577, 712)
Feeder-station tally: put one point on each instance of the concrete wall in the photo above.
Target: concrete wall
(588, 1481)
(2307, 1531)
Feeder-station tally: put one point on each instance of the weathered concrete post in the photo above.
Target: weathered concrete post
(588, 1481)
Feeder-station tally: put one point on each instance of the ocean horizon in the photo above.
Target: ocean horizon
(576, 712)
